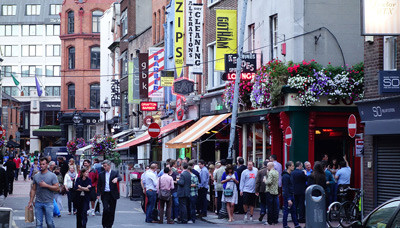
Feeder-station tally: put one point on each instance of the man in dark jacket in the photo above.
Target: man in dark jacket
(299, 179)
(239, 170)
(288, 196)
(184, 183)
(260, 189)
(3, 184)
(63, 165)
(11, 167)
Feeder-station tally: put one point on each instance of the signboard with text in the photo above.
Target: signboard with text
(194, 36)
(183, 87)
(380, 17)
(226, 36)
(156, 65)
(389, 82)
(115, 93)
(148, 106)
(167, 78)
(249, 62)
(232, 76)
(143, 75)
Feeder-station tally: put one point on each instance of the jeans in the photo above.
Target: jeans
(183, 209)
(2, 199)
(291, 210)
(263, 203)
(175, 205)
(45, 209)
(300, 207)
(203, 201)
(273, 208)
(16, 173)
(151, 201)
(193, 202)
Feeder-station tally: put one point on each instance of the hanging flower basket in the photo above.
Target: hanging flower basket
(104, 146)
(75, 144)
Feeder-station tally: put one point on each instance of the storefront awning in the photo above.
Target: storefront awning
(198, 129)
(145, 137)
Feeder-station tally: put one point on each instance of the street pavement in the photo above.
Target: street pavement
(128, 214)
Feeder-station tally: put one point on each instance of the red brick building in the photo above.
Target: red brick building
(80, 66)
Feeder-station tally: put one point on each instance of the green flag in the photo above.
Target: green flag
(16, 82)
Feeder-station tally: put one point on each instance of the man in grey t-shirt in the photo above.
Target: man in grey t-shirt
(44, 185)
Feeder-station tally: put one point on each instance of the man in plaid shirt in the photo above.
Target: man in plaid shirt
(193, 195)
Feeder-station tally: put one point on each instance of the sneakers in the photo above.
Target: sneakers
(251, 218)
(190, 222)
(93, 214)
(245, 217)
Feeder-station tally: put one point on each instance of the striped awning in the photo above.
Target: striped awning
(198, 129)
(145, 137)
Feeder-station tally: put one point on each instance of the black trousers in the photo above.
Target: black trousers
(82, 206)
(300, 207)
(219, 203)
(109, 204)
(202, 200)
(183, 211)
(10, 184)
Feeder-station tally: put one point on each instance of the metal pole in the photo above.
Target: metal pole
(237, 80)
(105, 123)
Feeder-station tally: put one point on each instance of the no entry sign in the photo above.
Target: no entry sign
(154, 130)
(1, 131)
(352, 126)
(288, 136)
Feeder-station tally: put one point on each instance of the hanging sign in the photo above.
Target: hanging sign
(183, 87)
(136, 84)
(115, 93)
(248, 65)
(167, 78)
(389, 82)
(179, 110)
(143, 75)
(156, 65)
(148, 106)
(179, 29)
(359, 147)
(194, 36)
(380, 17)
(226, 36)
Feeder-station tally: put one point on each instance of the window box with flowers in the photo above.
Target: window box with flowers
(75, 144)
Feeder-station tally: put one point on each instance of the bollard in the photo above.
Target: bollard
(315, 207)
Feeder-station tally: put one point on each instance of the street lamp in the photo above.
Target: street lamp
(77, 118)
(105, 107)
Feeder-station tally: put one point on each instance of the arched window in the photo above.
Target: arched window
(95, 96)
(95, 58)
(71, 96)
(96, 21)
(71, 58)
(71, 22)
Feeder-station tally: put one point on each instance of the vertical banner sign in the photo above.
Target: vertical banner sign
(136, 85)
(179, 28)
(115, 95)
(226, 40)
(194, 36)
(143, 75)
(380, 17)
(130, 82)
(156, 65)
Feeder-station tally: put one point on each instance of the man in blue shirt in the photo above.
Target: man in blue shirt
(151, 192)
(203, 188)
(343, 176)
(307, 165)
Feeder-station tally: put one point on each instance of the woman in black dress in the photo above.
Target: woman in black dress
(82, 197)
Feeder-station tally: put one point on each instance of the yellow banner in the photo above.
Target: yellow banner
(179, 28)
(226, 40)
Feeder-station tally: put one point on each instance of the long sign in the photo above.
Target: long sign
(179, 29)
(380, 17)
(389, 82)
(148, 106)
(115, 94)
(194, 36)
(143, 72)
(156, 65)
(130, 82)
(226, 36)
(136, 84)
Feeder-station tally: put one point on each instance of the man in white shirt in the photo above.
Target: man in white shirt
(151, 192)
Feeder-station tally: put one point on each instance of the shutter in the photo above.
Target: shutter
(388, 167)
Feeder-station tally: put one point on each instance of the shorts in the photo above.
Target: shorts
(249, 199)
(93, 195)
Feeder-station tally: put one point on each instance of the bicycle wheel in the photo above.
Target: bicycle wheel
(348, 214)
(333, 215)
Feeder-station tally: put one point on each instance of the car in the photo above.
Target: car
(387, 215)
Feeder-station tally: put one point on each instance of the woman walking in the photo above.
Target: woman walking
(69, 181)
(229, 180)
(83, 184)
(25, 167)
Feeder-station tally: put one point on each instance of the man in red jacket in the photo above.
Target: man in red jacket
(17, 161)
(94, 176)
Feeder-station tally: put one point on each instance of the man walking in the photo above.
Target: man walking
(44, 184)
(17, 161)
(288, 196)
(108, 191)
(272, 190)
(239, 170)
(203, 188)
(260, 189)
(299, 179)
(184, 183)
(165, 184)
(3, 184)
(151, 192)
(219, 187)
(247, 189)
(11, 167)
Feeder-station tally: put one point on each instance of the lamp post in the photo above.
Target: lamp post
(77, 118)
(105, 107)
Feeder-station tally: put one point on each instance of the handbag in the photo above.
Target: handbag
(163, 194)
(228, 192)
(29, 214)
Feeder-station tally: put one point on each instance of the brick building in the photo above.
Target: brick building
(80, 67)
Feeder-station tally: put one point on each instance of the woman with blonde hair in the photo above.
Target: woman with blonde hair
(69, 182)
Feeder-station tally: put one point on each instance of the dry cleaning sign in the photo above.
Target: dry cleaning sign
(194, 31)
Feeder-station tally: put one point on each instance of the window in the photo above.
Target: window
(124, 23)
(55, 9)
(32, 10)
(96, 21)
(171, 41)
(71, 96)
(95, 58)
(32, 50)
(8, 10)
(52, 91)
(71, 58)
(9, 50)
(52, 71)
(215, 76)
(381, 217)
(95, 96)
(27, 90)
(9, 30)
(11, 90)
(30, 71)
(53, 50)
(52, 30)
(252, 38)
(32, 30)
(212, 2)
(71, 22)
(124, 65)
(274, 36)
(6, 71)
(390, 53)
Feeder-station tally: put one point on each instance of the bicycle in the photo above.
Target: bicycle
(333, 215)
(349, 213)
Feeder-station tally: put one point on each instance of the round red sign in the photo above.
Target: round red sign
(288, 136)
(1, 132)
(154, 130)
(148, 120)
(352, 125)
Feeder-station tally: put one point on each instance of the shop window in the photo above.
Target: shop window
(95, 58)
(71, 96)
(71, 22)
(71, 58)
(95, 96)
(96, 21)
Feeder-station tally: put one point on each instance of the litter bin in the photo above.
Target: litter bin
(315, 207)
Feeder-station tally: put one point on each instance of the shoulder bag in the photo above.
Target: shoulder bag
(228, 192)
(163, 194)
